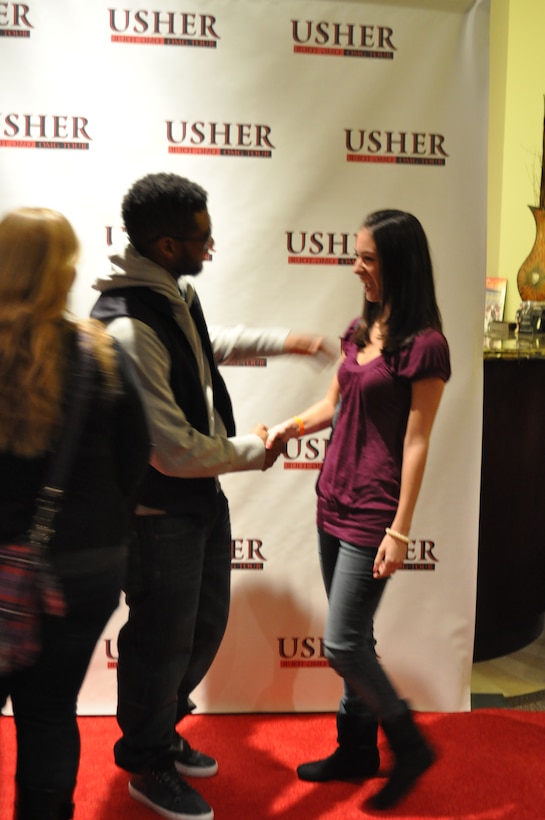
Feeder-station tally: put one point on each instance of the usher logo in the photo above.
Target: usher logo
(255, 361)
(115, 235)
(320, 248)
(44, 131)
(421, 556)
(246, 553)
(111, 655)
(395, 147)
(297, 652)
(305, 453)
(163, 28)
(14, 20)
(342, 39)
(224, 139)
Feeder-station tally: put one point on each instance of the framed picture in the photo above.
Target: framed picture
(496, 289)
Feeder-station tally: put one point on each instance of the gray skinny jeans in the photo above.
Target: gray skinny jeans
(349, 642)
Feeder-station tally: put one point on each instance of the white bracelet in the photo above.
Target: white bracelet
(397, 535)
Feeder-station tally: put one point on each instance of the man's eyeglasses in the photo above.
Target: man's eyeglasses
(205, 240)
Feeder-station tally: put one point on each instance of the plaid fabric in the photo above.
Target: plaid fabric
(26, 590)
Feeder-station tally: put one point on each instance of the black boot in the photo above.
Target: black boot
(43, 804)
(356, 756)
(412, 757)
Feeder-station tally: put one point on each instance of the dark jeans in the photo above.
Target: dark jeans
(349, 641)
(178, 594)
(44, 697)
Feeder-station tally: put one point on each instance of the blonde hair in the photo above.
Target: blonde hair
(38, 251)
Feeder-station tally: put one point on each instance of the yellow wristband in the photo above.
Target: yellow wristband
(397, 535)
(300, 425)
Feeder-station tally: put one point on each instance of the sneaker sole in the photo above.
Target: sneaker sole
(196, 771)
(171, 815)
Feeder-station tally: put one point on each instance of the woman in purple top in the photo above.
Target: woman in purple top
(381, 406)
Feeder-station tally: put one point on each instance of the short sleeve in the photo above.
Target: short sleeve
(428, 357)
(346, 338)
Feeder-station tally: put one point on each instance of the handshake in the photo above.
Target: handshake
(274, 440)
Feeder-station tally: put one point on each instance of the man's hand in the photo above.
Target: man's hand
(262, 431)
(271, 453)
(308, 344)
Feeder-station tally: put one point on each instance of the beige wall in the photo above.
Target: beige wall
(516, 111)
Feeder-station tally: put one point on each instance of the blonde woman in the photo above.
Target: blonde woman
(38, 346)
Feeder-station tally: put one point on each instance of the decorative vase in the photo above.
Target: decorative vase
(531, 276)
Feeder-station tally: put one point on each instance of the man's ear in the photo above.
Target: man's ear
(165, 248)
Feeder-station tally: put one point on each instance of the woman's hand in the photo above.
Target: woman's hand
(316, 417)
(281, 433)
(390, 556)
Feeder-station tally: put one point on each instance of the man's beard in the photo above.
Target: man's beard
(192, 271)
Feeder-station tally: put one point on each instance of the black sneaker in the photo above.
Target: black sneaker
(167, 794)
(192, 763)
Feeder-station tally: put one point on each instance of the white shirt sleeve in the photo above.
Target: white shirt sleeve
(231, 344)
(178, 449)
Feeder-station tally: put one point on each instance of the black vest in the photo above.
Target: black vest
(174, 495)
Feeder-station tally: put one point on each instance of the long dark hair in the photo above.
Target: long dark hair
(406, 271)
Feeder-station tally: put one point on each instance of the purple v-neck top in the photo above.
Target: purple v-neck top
(358, 487)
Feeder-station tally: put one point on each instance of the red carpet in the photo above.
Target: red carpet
(491, 766)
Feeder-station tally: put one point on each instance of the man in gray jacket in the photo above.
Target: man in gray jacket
(179, 572)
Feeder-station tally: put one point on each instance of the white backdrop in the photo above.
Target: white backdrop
(299, 117)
